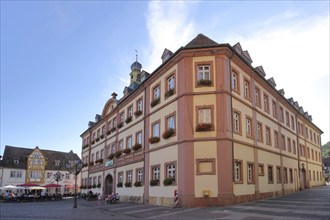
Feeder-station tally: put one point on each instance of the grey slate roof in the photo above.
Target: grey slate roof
(12, 153)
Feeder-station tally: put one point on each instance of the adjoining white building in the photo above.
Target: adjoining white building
(36, 166)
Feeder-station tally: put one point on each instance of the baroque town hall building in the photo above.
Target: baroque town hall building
(205, 123)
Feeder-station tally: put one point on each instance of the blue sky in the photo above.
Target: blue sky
(61, 60)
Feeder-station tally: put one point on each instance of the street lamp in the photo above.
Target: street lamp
(74, 167)
(58, 177)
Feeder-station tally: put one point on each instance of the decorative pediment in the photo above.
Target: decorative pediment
(271, 81)
(260, 71)
(109, 106)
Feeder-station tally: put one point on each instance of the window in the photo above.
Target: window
(248, 126)
(294, 149)
(276, 138)
(115, 122)
(291, 175)
(312, 154)
(92, 158)
(122, 115)
(250, 172)
(237, 121)
(274, 109)
(281, 115)
(113, 148)
(268, 136)
(310, 135)
(278, 174)
(155, 130)
(99, 180)
(308, 153)
(129, 177)
(170, 84)
(109, 125)
(97, 155)
(306, 132)
(283, 142)
(139, 175)
(204, 115)
(102, 153)
(170, 122)
(170, 170)
(289, 144)
(257, 96)
(285, 175)
(259, 132)
(292, 122)
(203, 72)
(156, 93)
(12, 174)
(261, 171)
(98, 133)
(18, 174)
(270, 174)
(67, 176)
(48, 175)
(140, 105)
(155, 171)
(129, 142)
(238, 171)
(138, 138)
(266, 103)
(120, 177)
(235, 81)
(121, 145)
(287, 119)
(130, 112)
(246, 89)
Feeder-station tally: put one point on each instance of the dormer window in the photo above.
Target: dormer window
(16, 161)
(57, 163)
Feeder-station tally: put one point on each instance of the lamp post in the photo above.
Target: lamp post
(74, 167)
(58, 177)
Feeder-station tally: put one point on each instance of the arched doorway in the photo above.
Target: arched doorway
(303, 178)
(108, 185)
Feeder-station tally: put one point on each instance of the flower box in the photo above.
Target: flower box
(93, 142)
(153, 140)
(102, 136)
(91, 163)
(128, 120)
(89, 186)
(119, 184)
(204, 82)
(121, 124)
(138, 113)
(203, 127)
(169, 181)
(85, 146)
(138, 184)
(83, 187)
(97, 139)
(169, 133)
(154, 182)
(128, 184)
(169, 93)
(111, 156)
(99, 160)
(154, 102)
(113, 129)
(127, 150)
(94, 186)
(137, 147)
(118, 153)
(108, 132)
(98, 185)
(84, 165)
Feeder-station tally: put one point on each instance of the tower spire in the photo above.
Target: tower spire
(136, 55)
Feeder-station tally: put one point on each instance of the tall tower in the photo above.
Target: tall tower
(135, 74)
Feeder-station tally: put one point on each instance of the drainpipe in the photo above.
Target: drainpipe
(231, 115)
(298, 151)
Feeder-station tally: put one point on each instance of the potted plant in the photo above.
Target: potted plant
(154, 182)
(118, 154)
(93, 142)
(102, 136)
(153, 140)
(111, 156)
(169, 133)
(138, 113)
(100, 160)
(203, 127)
(138, 184)
(89, 186)
(98, 185)
(121, 124)
(204, 82)
(94, 186)
(120, 184)
(91, 163)
(128, 184)
(169, 181)
(127, 150)
(169, 93)
(154, 102)
(128, 120)
(97, 139)
(137, 147)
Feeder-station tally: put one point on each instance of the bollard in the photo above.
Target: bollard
(176, 198)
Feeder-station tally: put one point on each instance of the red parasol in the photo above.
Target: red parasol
(52, 185)
(28, 184)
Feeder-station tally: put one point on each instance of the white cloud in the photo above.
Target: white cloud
(296, 54)
(169, 27)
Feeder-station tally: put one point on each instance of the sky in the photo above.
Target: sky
(62, 60)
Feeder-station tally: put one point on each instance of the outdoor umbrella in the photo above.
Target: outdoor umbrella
(52, 185)
(28, 184)
(36, 187)
(10, 187)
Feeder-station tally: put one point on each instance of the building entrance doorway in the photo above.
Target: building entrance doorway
(108, 189)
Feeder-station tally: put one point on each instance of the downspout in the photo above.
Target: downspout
(298, 151)
(231, 116)
(144, 133)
